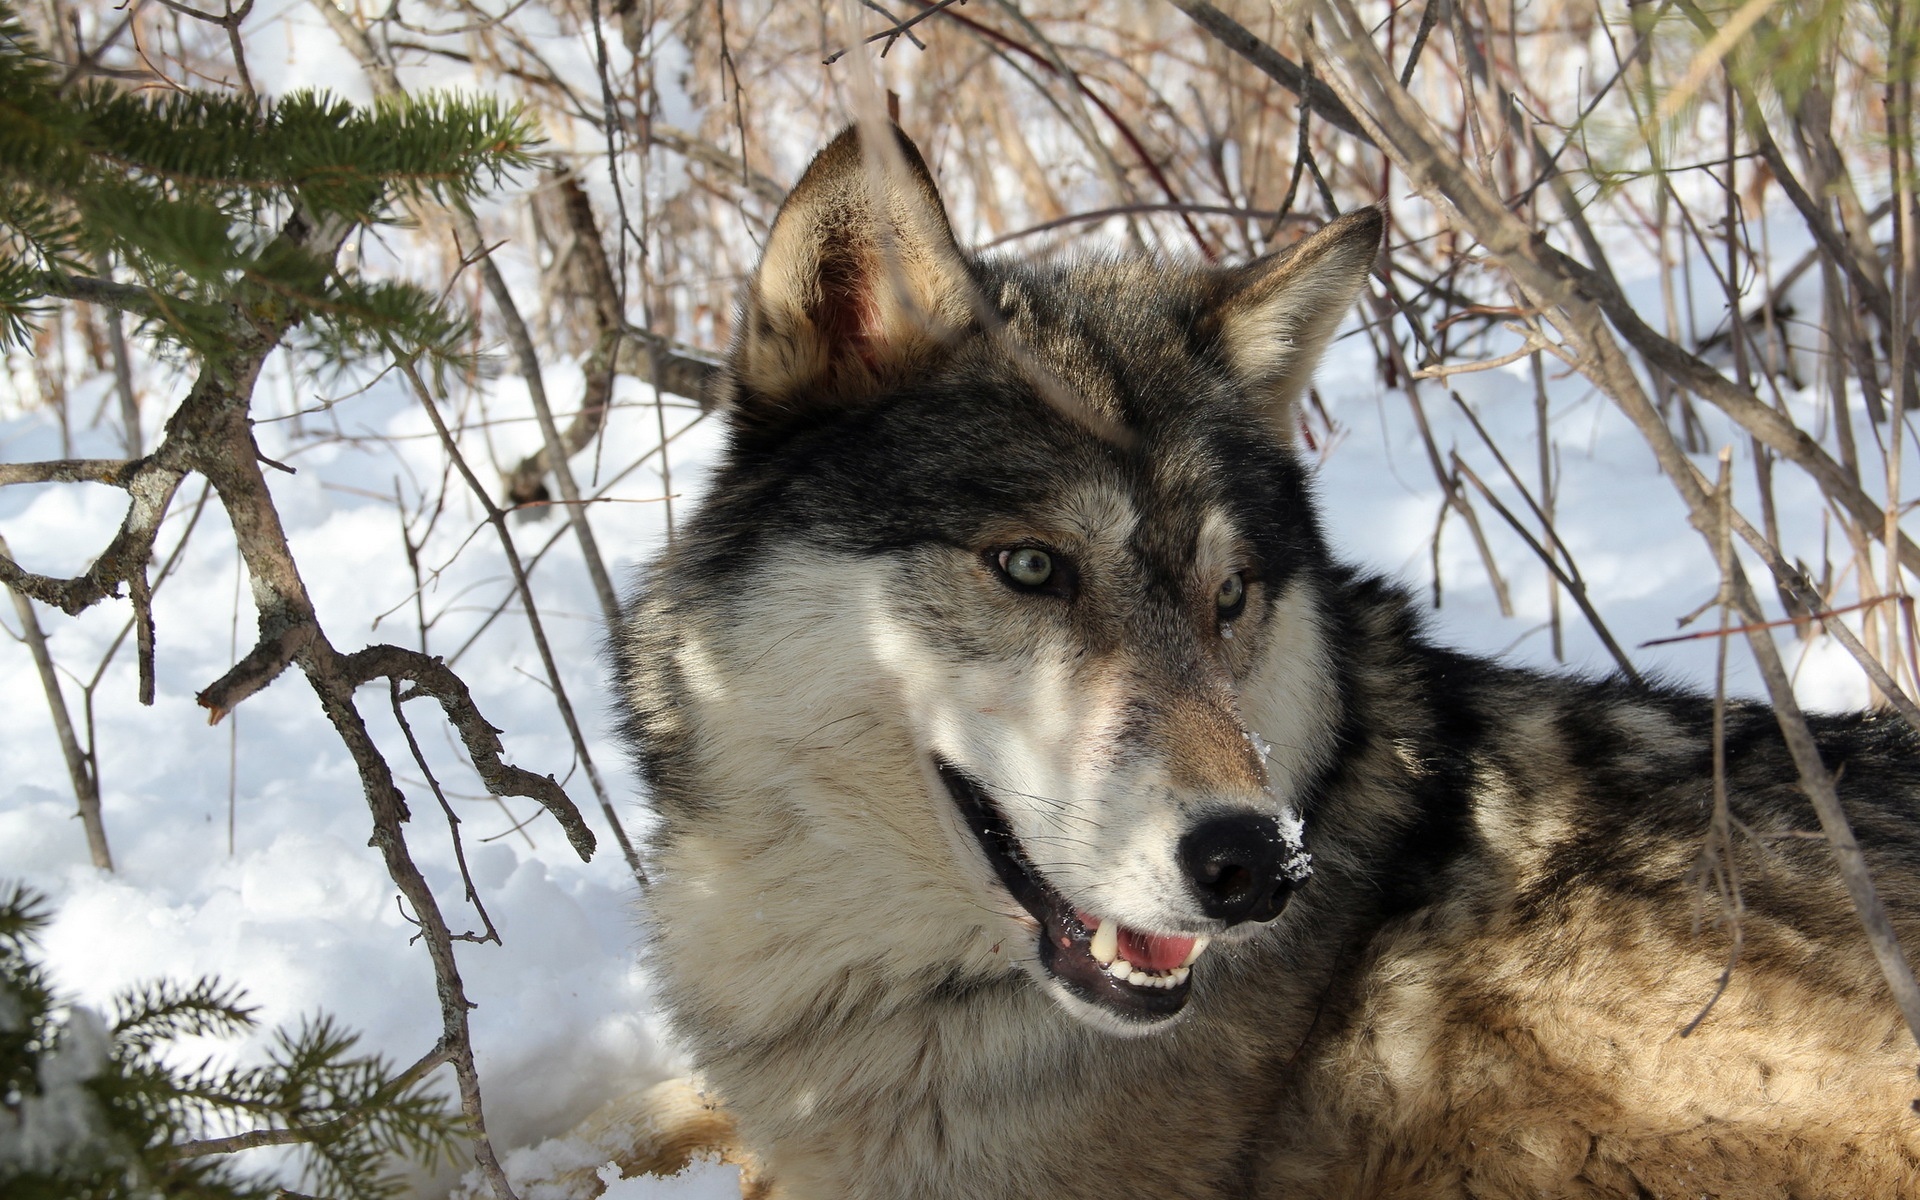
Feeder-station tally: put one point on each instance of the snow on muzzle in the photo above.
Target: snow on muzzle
(1240, 866)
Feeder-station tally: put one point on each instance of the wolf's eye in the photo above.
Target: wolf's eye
(1028, 566)
(1232, 596)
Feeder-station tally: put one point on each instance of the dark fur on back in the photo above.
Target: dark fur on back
(1480, 989)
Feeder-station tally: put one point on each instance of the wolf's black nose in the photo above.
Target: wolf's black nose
(1235, 864)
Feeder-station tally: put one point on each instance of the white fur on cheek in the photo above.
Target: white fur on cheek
(1038, 727)
(1290, 696)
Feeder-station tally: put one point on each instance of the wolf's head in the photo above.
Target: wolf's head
(1005, 604)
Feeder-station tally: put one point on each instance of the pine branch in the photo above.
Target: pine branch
(158, 1012)
(101, 1114)
(121, 297)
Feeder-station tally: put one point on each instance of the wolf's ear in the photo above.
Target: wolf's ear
(860, 281)
(1282, 310)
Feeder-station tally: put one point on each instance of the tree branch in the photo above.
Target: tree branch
(498, 520)
(302, 1134)
(68, 470)
(430, 676)
(152, 482)
(262, 665)
(1323, 100)
(121, 297)
(80, 765)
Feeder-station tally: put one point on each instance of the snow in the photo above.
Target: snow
(64, 1122)
(700, 1181)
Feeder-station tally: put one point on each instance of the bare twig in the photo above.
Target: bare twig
(521, 339)
(151, 482)
(71, 470)
(1823, 615)
(896, 30)
(1127, 210)
(1275, 65)
(1718, 861)
(618, 349)
(1573, 586)
(431, 677)
(81, 769)
(453, 819)
(498, 519)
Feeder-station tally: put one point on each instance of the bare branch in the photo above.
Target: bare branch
(432, 677)
(80, 763)
(768, 191)
(896, 30)
(151, 482)
(262, 665)
(68, 470)
(1290, 75)
(121, 297)
(620, 349)
(676, 370)
(558, 456)
(1574, 586)
(498, 520)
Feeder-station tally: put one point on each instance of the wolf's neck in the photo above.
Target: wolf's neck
(803, 907)
(824, 989)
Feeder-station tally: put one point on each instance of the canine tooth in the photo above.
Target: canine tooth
(1120, 968)
(1106, 942)
(1199, 944)
(1179, 976)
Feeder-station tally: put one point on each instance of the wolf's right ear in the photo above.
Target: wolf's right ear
(1281, 311)
(861, 280)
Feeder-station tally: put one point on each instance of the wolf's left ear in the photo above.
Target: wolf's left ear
(1282, 310)
(861, 280)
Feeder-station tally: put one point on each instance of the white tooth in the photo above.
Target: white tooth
(1199, 944)
(1120, 968)
(1138, 978)
(1106, 942)
(1179, 976)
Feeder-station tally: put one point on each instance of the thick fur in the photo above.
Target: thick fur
(1479, 991)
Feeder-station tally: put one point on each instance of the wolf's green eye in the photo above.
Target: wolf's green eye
(1231, 596)
(1029, 566)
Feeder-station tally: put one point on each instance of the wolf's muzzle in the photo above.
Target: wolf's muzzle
(1240, 867)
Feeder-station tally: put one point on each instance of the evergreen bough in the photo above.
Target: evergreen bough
(89, 1108)
(191, 195)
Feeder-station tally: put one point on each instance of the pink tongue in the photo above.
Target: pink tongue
(1151, 952)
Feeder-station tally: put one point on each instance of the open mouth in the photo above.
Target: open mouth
(1137, 976)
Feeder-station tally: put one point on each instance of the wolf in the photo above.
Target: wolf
(1044, 811)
